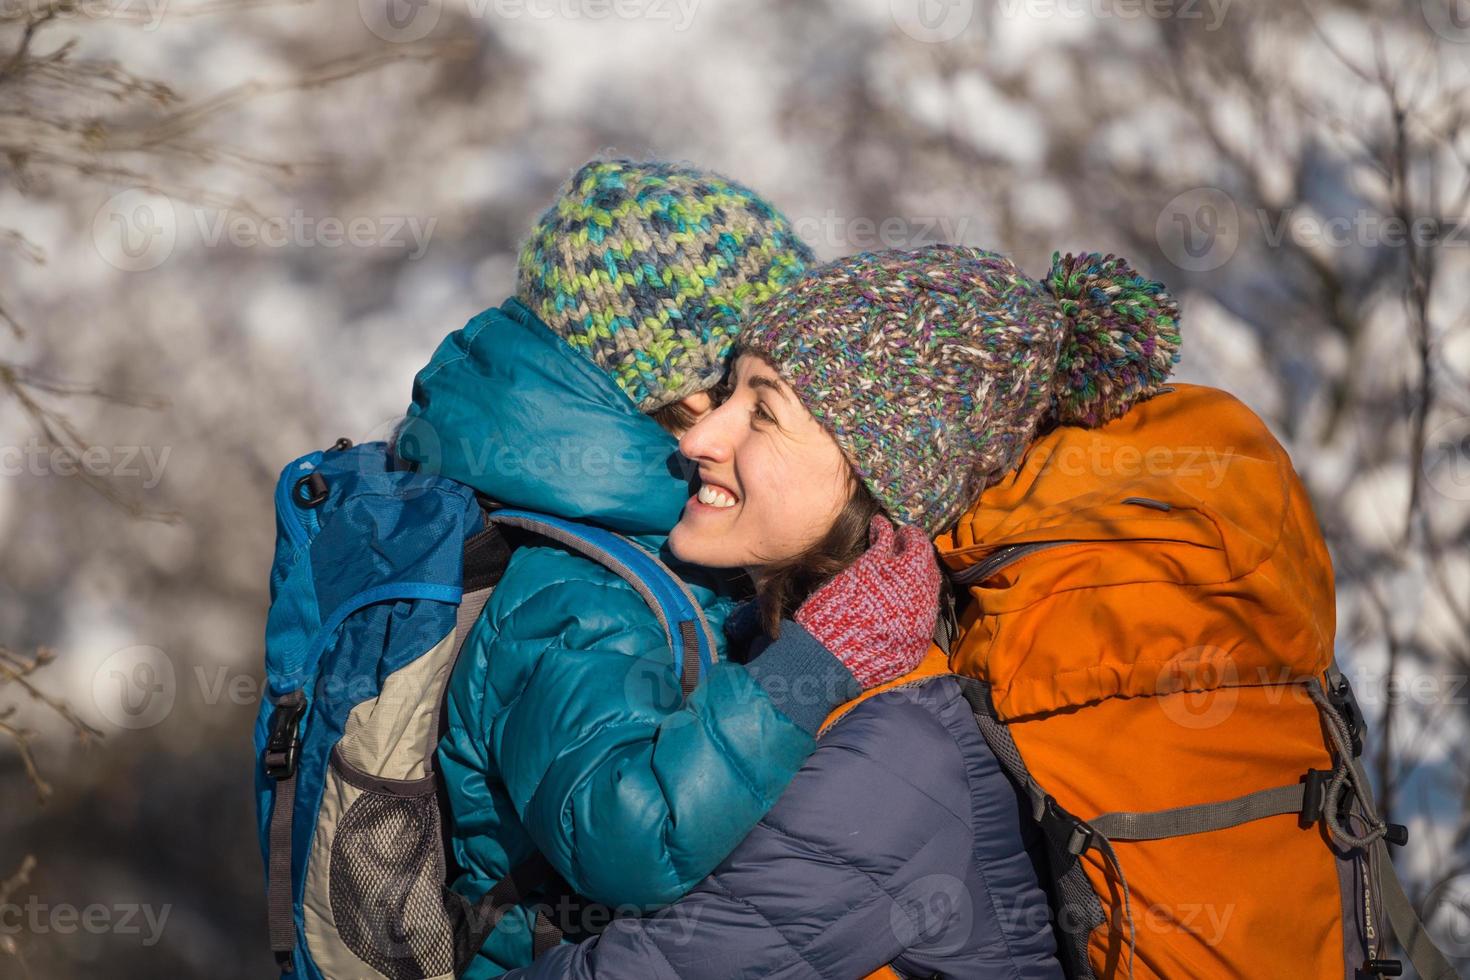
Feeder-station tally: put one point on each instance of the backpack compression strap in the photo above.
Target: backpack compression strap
(689, 634)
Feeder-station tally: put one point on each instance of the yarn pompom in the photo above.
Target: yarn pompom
(1122, 338)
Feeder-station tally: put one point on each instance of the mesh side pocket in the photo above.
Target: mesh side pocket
(387, 886)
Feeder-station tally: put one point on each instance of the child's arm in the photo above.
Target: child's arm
(631, 791)
(634, 793)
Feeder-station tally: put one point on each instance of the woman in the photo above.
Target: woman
(896, 385)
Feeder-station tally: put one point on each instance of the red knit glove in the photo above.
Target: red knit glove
(877, 615)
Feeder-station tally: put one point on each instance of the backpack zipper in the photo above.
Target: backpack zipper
(1003, 558)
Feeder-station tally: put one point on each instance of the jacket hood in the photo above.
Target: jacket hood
(509, 408)
(1174, 548)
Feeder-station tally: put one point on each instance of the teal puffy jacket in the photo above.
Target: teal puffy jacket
(549, 744)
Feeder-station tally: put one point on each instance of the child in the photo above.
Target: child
(566, 400)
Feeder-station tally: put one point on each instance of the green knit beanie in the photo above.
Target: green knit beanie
(649, 269)
(935, 368)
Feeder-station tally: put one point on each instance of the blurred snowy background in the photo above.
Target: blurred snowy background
(232, 230)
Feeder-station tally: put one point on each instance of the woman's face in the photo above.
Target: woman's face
(771, 479)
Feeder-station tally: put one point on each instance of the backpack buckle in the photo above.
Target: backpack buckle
(1340, 696)
(1384, 968)
(1312, 796)
(310, 491)
(1075, 835)
(283, 744)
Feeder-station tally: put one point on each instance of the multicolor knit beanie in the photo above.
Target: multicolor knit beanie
(935, 368)
(649, 269)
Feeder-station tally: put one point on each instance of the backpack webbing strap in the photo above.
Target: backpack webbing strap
(1079, 910)
(278, 883)
(683, 621)
(1427, 959)
(480, 918)
(1407, 927)
(279, 761)
(1202, 817)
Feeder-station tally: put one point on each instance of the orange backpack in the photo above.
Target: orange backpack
(1147, 639)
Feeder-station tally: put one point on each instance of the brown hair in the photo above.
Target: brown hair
(786, 584)
(675, 417)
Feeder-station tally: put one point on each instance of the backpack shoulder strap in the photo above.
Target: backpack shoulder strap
(681, 617)
(1080, 910)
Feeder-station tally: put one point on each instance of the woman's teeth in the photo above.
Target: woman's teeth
(715, 497)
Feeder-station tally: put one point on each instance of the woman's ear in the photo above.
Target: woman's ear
(698, 404)
(679, 417)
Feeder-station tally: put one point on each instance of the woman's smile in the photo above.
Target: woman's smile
(714, 496)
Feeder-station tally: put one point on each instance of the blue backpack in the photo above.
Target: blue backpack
(380, 570)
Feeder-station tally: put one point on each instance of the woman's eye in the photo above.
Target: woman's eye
(760, 414)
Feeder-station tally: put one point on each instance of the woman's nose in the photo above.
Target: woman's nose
(708, 438)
